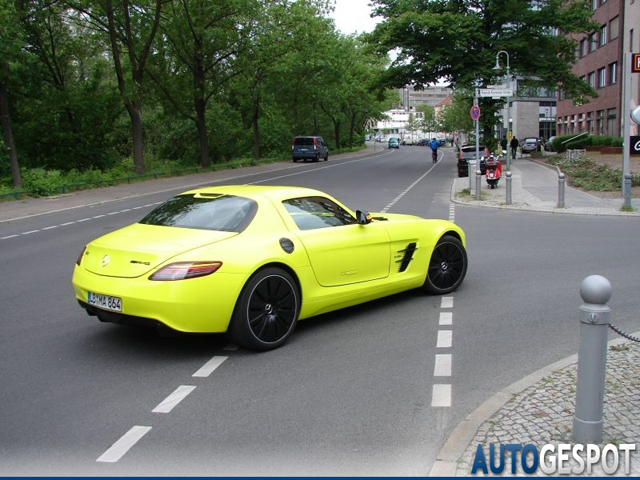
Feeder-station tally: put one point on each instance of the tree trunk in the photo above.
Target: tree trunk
(135, 114)
(256, 129)
(203, 137)
(336, 129)
(5, 120)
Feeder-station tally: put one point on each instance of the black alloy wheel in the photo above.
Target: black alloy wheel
(447, 267)
(267, 310)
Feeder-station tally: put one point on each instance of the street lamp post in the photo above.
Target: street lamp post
(509, 136)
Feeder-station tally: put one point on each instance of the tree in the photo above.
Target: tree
(130, 27)
(9, 51)
(457, 42)
(428, 120)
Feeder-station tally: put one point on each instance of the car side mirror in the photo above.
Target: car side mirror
(362, 217)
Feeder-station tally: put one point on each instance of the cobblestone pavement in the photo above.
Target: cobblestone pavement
(543, 413)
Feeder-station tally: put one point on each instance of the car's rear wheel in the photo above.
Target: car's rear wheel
(447, 266)
(267, 310)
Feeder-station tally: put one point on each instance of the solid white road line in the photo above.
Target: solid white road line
(445, 338)
(446, 302)
(174, 399)
(441, 396)
(446, 318)
(122, 446)
(208, 368)
(442, 367)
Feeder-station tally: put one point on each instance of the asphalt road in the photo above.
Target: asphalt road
(350, 394)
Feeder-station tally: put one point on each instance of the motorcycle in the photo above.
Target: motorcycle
(494, 171)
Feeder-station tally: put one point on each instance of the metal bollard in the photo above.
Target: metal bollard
(478, 183)
(561, 183)
(627, 190)
(595, 291)
(509, 188)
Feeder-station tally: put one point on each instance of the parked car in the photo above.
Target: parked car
(530, 144)
(309, 148)
(548, 146)
(394, 142)
(468, 152)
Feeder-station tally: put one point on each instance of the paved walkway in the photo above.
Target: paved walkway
(539, 408)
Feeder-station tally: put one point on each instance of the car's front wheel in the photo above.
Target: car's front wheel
(447, 266)
(267, 310)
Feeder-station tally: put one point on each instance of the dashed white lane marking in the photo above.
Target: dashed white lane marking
(445, 339)
(122, 446)
(399, 197)
(441, 395)
(443, 366)
(446, 318)
(446, 302)
(174, 399)
(80, 221)
(452, 213)
(209, 367)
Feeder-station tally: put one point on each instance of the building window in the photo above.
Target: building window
(613, 73)
(594, 4)
(592, 79)
(603, 35)
(611, 122)
(590, 122)
(593, 42)
(600, 122)
(614, 28)
(583, 47)
(602, 77)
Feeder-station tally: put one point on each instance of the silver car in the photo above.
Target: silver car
(530, 144)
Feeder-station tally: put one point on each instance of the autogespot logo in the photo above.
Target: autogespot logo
(560, 459)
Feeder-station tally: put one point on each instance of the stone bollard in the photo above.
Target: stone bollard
(478, 183)
(561, 183)
(509, 180)
(595, 291)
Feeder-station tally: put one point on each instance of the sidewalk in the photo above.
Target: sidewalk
(539, 408)
(535, 187)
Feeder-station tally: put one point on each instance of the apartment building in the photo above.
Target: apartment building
(599, 62)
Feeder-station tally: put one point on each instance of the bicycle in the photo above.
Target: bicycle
(434, 156)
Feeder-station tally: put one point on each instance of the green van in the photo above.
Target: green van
(394, 143)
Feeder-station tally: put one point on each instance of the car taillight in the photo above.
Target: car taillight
(185, 270)
(315, 144)
(79, 260)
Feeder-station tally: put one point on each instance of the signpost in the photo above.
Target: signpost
(631, 64)
(495, 92)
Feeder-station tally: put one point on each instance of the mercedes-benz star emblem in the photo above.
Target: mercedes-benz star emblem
(105, 261)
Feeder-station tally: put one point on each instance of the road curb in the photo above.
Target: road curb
(454, 447)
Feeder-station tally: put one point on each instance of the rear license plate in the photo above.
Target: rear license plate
(105, 301)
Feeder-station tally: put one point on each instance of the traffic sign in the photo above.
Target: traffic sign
(475, 113)
(495, 92)
(635, 62)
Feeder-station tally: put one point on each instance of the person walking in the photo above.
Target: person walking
(514, 147)
(503, 143)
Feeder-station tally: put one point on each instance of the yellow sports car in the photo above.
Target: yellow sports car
(253, 260)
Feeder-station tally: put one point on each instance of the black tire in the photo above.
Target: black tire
(326, 157)
(295, 160)
(447, 266)
(267, 311)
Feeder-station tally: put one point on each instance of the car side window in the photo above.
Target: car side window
(310, 213)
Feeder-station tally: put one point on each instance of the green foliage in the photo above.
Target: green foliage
(590, 175)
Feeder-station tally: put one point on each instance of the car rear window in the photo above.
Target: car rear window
(204, 211)
(471, 149)
(303, 141)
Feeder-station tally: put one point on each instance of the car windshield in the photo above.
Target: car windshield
(204, 211)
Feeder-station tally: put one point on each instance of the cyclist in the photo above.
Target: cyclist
(434, 149)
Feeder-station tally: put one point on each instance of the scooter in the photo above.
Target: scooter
(494, 171)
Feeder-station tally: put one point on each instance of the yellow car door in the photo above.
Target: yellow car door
(340, 250)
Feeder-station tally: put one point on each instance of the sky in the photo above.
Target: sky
(353, 15)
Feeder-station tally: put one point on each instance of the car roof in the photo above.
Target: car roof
(275, 193)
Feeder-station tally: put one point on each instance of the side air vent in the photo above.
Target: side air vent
(406, 257)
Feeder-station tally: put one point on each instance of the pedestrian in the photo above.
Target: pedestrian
(503, 143)
(514, 147)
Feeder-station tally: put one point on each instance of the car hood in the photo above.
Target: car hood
(137, 249)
